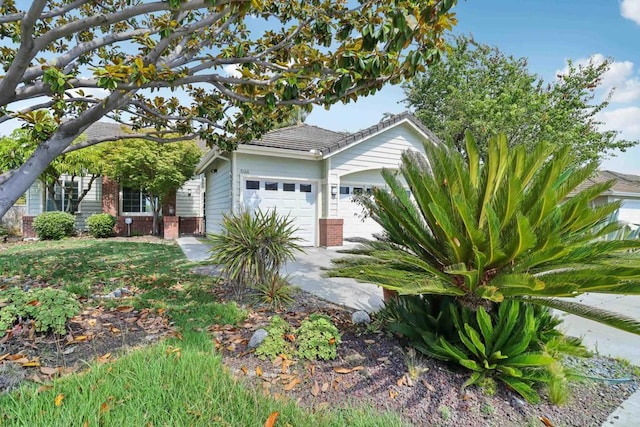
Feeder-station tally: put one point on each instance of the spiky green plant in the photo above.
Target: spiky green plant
(253, 246)
(512, 226)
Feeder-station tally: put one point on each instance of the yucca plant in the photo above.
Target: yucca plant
(253, 246)
(510, 226)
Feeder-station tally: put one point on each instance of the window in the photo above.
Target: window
(252, 185)
(357, 190)
(271, 186)
(134, 201)
(63, 196)
(305, 188)
(344, 190)
(288, 186)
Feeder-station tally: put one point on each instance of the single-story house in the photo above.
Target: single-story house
(183, 215)
(626, 188)
(311, 174)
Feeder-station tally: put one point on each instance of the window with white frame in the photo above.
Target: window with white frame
(65, 194)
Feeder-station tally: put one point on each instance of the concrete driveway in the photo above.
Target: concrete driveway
(307, 272)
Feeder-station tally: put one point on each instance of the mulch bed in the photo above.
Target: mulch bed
(371, 368)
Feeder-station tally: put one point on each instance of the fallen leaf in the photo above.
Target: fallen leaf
(290, 337)
(44, 388)
(258, 371)
(58, 400)
(321, 406)
(31, 363)
(271, 421)
(546, 421)
(393, 394)
(382, 359)
(4, 356)
(369, 341)
(104, 407)
(332, 341)
(325, 387)
(348, 370)
(428, 386)
(46, 370)
(125, 309)
(104, 358)
(315, 389)
(245, 370)
(294, 382)
(402, 381)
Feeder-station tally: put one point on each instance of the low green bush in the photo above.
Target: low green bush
(514, 342)
(101, 225)
(316, 338)
(276, 342)
(49, 308)
(54, 225)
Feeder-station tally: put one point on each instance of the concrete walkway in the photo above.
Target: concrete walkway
(306, 272)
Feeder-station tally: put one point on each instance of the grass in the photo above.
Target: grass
(172, 383)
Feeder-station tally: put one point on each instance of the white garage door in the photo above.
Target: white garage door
(355, 223)
(296, 199)
(630, 211)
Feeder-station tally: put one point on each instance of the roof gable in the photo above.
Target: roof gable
(624, 183)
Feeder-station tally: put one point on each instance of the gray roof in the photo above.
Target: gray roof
(99, 130)
(303, 137)
(624, 183)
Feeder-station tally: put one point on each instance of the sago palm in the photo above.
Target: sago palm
(508, 225)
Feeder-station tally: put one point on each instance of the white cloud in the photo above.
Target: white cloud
(232, 70)
(630, 9)
(625, 120)
(620, 77)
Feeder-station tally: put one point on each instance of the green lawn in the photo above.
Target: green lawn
(174, 383)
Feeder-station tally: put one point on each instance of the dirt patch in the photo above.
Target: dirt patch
(373, 368)
(97, 333)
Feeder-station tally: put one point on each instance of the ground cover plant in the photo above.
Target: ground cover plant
(489, 230)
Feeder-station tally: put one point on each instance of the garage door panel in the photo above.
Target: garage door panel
(355, 222)
(299, 205)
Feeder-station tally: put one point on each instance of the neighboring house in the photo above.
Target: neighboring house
(184, 215)
(626, 188)
(311, 174)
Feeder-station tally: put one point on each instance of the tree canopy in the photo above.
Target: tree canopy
(154, 168)
(16, 148)
(478, 88)
(216, 69)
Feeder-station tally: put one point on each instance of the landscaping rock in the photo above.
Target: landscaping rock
(360, 317)
(257, 338)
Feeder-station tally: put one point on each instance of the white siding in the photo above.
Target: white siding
(35, 199)
(249, 165)
(92, 202)
(217, 195)
(189, 198)
(364, 161)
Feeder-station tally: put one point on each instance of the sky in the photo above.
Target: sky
(547, 33)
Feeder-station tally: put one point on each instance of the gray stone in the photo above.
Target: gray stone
(257, 338)
(117, 293)
(360, 317)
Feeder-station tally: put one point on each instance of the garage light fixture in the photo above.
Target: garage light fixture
(334, 191)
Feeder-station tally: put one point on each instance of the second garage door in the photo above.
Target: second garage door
(355, 223)
(294, 198)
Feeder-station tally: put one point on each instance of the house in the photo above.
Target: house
(182, 215)
(311, 174)
(626, 188)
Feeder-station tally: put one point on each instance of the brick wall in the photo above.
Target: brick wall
(140, 225)
(110, 195)
(170, 227)
(27, 227)
(331, 231)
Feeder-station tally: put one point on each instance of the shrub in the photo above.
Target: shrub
(276, 343)
(509, 343)
(4, 231)
(253, 246)
(277, 292)
(101, 225)
(317, 338)
(49, 308)
(54, 225)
